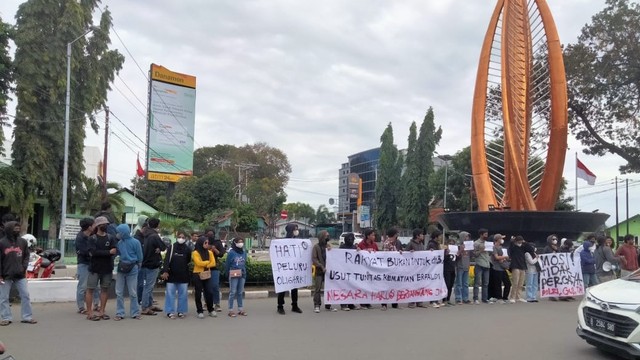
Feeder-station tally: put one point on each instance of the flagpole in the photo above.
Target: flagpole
(576, 169)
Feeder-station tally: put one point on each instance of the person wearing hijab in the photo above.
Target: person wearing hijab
(532, 272)
(291, 233)
(237, 271)
(349, 240)
(203, 260)
(319, 258)
(14, 259)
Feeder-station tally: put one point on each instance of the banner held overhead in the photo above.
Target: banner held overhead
(171, 123)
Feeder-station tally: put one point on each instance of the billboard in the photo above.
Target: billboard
(170, 128)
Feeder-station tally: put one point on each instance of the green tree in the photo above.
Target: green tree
(5, 79)
(409, 176)
(89, 196)
(300, 211)
(267, 197)
(195, 197)
(42, 31)
(387, 182)
(12, 189)
(419, 169)
(603, 79)
(244, 218)
(324, 216)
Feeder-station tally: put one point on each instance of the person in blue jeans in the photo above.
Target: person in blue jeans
(14, 259)
(482, 268)
(462, 271)
(151, 262)
(83, 259)
(237, 271)
(588, 264)
(531, 258)
(175, 271)
(217, 247)
(130, 252)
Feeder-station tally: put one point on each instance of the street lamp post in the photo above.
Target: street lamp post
(65, 171)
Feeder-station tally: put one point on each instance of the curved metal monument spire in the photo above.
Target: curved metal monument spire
(519, 120)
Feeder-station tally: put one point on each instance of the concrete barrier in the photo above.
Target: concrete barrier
(52, 289)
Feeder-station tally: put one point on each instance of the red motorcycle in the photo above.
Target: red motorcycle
(41, 262)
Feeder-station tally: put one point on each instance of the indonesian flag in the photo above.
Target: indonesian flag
(584, 173)
(139, 170)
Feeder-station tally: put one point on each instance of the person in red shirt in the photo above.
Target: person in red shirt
(369, 242)
(629, 255)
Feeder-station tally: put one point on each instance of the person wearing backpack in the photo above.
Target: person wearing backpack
(175, 271)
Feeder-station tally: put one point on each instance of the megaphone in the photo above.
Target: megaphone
(607, 266)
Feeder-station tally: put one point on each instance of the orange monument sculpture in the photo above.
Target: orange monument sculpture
(519, 120)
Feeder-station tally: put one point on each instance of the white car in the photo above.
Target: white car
(609, 315)
(358, 236)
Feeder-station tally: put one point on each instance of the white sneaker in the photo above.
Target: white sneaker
(334, 309)
(213, 313)
(346, 309)
(522, 300)
(200, 316)
(477, 302)
(435, 305)
(492, 300)
(512, 301)
(316, 309)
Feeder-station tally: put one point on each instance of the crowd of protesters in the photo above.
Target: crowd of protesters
(503, 275)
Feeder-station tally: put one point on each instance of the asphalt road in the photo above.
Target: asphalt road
(516, 331)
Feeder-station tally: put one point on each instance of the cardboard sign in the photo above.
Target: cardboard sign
(291, 263)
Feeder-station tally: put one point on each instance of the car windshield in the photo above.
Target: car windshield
(634, 276)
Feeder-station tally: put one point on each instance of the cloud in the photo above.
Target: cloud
(319, 80)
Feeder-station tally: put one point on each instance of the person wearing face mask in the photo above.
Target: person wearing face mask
(237, 271)
(551, 248)
(498, 273)
(14, 259)
(217, 248)
(291, 233)
(319, 258)
(175, 271)
(518, 269)
(349, 240)
(102, 249)
(532, 272)
(603, 253)
(588, 264)
(153, 246)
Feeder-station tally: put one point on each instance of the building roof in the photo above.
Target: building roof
(634, 218)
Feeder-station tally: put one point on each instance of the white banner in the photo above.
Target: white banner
(383, 277)
(560, 275)
(291, 263)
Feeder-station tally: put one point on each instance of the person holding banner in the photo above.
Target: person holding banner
(369, 244)
(348, 244)
(291, 233)
(498, 271)
(551, 248)
(449, 272)
(416, 244)
(319, 258)
(392, 244)
(482, 268)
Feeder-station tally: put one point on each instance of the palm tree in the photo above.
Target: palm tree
(89, 196)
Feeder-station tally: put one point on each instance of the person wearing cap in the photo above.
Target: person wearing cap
(518, 269)
(498, 274)
(482, 268)
(84, 260)
(102, 248)
(462, 271)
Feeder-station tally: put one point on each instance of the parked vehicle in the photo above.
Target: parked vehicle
(609, 315)
(358, 236)
(41, 262)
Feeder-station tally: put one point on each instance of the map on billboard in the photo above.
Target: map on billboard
(172, 106)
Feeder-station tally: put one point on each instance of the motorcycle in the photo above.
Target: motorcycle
(41, 262)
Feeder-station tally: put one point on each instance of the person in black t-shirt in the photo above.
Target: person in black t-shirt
(102, 249)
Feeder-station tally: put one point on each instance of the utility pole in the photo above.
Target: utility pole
(222, 163)
(106, 154)
(627, 185)
(246, 168)
(617, 218)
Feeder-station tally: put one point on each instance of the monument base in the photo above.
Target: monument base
(534, 226)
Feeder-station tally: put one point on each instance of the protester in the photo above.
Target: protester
(83, 260)
(462, 271)
(531, 258)
(5, 219)
(14, 259)
(175, 271)
(392, 244)
(107, 212)
(291, 233)
(551, 248)
(604, 254)
(498, 274)
(102, 248)
(217, 248)
(204, 261)
(194, 238)
(588, 264)
(143, 224)
(629, 255)
(130, 252)
(416, 244)
(482, 268)
(369, 244)
(348, 244)
(449, 272)
(153, 246)
(237, 271)
(566, 247)
(319, 259)
(518, 269)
